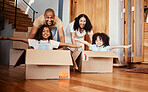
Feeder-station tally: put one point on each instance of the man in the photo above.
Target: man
(54, 23)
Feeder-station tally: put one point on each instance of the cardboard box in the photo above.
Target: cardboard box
(94, 61)
(19, 44)
(14, 56)
(48, 64)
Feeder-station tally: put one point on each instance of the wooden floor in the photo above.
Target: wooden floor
(12, 80)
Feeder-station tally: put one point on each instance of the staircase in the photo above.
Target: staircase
(22, 20)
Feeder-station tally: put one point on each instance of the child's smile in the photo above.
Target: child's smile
(46, 33)
(99, 42)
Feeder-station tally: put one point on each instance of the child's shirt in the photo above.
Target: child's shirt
(47, 45)
(94, 47)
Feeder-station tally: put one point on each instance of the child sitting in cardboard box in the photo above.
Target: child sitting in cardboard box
(42, 40)
(100, 42)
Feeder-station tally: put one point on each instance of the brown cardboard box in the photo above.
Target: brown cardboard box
(94, 61)
(48, 64)
(18, 44)
(14, 56)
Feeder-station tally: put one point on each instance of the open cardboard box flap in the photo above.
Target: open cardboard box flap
(108, 54)
(76, 54)
(100, 54)
(48, 57)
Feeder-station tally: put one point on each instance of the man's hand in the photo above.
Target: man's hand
(33, 32)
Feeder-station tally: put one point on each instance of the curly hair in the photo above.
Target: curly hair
(88, 25)
(105, 38)
(38, 36)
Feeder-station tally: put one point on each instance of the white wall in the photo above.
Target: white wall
(66, 13)
(116, 25)
(5, 45)
(40, 6)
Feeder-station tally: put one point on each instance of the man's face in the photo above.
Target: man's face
(49, 17)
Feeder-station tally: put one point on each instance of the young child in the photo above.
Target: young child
(42, 40)
(100, 42)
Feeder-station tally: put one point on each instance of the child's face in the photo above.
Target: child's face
(82, 22)
(99, 42)
(46, 33)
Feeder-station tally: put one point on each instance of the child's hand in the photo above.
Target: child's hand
(128, 46)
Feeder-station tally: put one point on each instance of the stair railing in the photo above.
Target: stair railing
(16, 11)
(34, 12)
(3, 5)
(31, 9)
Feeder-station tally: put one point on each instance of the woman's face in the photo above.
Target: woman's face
(46, 33)
(99, 42)
(82, 22)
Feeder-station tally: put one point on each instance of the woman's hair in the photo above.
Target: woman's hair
(38, 36)
(102, 37)
(87, 26)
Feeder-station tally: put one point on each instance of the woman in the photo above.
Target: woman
(78, 29)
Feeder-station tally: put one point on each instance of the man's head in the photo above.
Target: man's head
(49, 16)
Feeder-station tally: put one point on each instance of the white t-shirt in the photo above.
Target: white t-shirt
(49, 45)
(79, 35)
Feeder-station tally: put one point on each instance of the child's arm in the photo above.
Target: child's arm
(81, 41)
(69, 45)
(119, 46)
(14, 39)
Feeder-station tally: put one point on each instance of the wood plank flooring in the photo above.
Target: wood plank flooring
(13, 80)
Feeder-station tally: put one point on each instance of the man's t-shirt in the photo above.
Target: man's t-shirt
(41, 21)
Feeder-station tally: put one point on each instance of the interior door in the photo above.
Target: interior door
(133, 30)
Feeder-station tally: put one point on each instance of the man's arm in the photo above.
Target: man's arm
(61, 35)
(33, 32)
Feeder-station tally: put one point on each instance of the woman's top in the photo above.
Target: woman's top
(79, 35)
